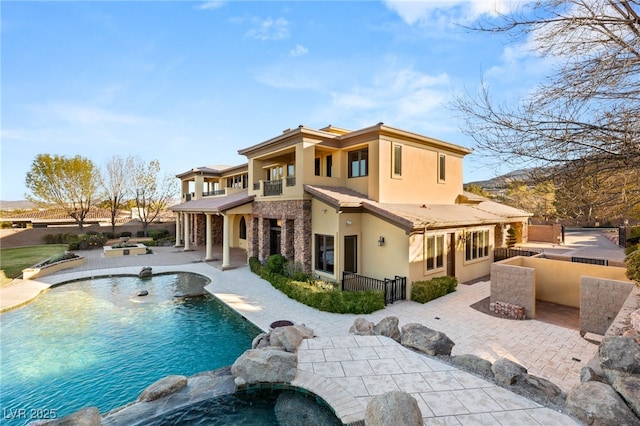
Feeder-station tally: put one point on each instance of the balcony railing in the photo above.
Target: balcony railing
(216, 192)
(256, 186)
(291, 181)
(272, 187)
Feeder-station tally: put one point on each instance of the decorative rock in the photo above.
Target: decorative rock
(143, 293)
(163, 387)
(629, 389)
(634, 318)
(265, 365)
(294, 409)
(538, 385)
(260, 341)
(305, 331)
(472, 364)
(89, 416)
(588, 375)
(506, 371)
(388, 327)
(393, 409)
(145, 272)
(287, 337)
(595, 403)
(426, 340)
(619, 355)
(362, 327)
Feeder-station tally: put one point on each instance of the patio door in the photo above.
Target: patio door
(351, 253)
(451, 255)
(275, 235)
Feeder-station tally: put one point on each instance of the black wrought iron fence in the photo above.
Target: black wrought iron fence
(394, 289)
(506, 253)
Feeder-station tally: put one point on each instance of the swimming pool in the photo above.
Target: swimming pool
(97, 343)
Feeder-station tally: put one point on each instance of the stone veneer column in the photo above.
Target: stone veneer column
(263, 239)
(186, 231)
(302, 236)
(287, 236)
(208, 238)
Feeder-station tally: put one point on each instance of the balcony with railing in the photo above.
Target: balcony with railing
(272, 187)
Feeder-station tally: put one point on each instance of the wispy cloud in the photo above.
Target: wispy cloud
(212, 4)
(269, 29)
(299, 50)
(87, 114)
(446, 12)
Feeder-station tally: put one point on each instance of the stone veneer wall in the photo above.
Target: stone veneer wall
(515, 285)
(295, 233)
(600, 301)
(201, 229)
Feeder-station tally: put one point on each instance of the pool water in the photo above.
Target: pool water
(97, 343)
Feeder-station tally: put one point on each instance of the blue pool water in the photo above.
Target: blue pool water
(97, 343)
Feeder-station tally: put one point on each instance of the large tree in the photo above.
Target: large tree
(116, 180)
(68, 183)
(153, 192)
(585, 116)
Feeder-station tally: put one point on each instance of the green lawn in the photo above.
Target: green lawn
(14, 260)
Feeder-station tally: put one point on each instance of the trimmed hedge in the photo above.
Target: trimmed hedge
(424, 291)
(633, 267)
(321, 297)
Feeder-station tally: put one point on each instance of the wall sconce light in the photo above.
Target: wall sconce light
(381, 241)
(349, 222)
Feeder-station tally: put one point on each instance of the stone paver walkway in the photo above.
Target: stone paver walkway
(348, 370)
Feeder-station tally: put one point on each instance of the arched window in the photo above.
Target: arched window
(243, 229)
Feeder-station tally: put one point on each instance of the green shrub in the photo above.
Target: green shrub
(139, 234)
(631, 249)
(275, 263)
(294, 270)
(633, 267)
(125, 234)
(110, 235)
(327, 298)
(424, 291)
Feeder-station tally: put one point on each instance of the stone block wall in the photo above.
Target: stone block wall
(600, 301)
(295, 231)
(514, 285)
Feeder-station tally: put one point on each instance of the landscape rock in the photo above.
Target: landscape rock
(539, 387)
(260, 341)
(596, 403)
(618, 356)
(362, 327)
(288, 337)
(634, 318)
(507, 372)
(472, 364)
(388, 327)
(163, 387)
(265, 365)
(587, 374)
(629, 389)
(393, 409)
(89, 416)
(294, 409)
(426, 340)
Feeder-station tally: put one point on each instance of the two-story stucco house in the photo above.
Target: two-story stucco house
(379, 201)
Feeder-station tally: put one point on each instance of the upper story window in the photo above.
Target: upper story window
(358, 163)
(442, 167)
(397, 160)
(291, 169)
(327, 161)
(329, 165)
(317, 164)
(275, 173)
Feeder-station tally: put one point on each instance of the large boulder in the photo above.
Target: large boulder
(393, 409)
(588, 374)
(388, 327)
(288, 338)
(473, 364)
(629, 389)
(163, 387)
(265, 365)
(598, 404)
(506, 372)
(362, 327)
(295, 409)
(619, 356)
(260, 341)
(426, 340)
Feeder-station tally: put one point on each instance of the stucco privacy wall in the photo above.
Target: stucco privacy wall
(512, 283)
(600, 301)
(559, 282)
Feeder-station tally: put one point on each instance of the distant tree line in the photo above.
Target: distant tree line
(76, 184)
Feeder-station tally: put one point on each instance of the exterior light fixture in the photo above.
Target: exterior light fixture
(349, 222)
(381, 241)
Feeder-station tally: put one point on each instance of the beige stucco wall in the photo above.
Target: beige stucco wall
(419, 165)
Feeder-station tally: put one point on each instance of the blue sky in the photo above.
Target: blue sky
(190, 83)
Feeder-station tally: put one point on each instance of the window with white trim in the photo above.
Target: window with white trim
(476, 245)
(435, 252)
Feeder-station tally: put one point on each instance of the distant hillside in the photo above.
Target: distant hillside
(17, 205)
(503, 180)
